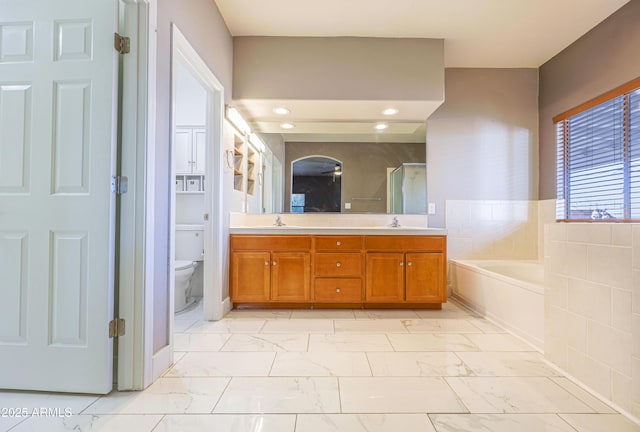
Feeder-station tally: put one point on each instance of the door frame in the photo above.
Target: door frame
(214, 252)
(158, 362)
(135, 295)
(137, 364)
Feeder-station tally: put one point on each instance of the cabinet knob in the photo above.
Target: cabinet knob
(401, 263)
(339, 243)
(275, 262)
(337, 290)
(409, 263)
(338, 264)
(266, 263)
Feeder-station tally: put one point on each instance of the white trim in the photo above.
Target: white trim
(138, 130)
(146, 319)
(214, 308)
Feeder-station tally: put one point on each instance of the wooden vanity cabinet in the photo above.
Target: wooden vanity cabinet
(424, 277)
(349, 269)
(385, 277)
(270, 269)
(338, 269)
(408, 269)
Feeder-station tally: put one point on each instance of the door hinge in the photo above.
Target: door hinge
(119, 184)
(122, 44)
(116, 327)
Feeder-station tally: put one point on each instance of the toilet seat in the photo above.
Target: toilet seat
(183, 265)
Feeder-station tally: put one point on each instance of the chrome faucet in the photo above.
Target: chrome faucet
(395, 223)
(278, 221)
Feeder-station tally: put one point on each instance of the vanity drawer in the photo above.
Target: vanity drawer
(338, 243)
(330, 290)
(270, 242)
(405, 243)
(338, 264)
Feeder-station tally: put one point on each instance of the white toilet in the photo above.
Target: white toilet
(189, 257)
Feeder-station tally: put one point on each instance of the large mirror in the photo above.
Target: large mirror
(355, 177)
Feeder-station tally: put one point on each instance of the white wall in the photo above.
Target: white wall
(482, 143)
(592, 307)
(191, 99)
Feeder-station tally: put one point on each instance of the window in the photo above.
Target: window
(598, 171)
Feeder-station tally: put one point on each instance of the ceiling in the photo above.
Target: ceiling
(476, 33)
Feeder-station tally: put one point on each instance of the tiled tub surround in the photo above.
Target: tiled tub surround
(492, 229)
(592, 307)
(509, 292)
(339, 370)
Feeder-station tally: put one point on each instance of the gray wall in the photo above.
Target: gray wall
(202, 24)
(604, 58)
(340, 68)
(482, 143)
(364, 168)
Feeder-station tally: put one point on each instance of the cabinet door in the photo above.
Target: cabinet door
(385, 277)
(199, 149)
(182, 151)
(425, 277)
(290, 276)
(250, 276)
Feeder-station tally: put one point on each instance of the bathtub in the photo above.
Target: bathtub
(511, 293)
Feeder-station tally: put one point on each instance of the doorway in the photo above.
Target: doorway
(195, 174)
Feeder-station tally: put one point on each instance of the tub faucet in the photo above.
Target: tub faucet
(395, 223)
(278, 221)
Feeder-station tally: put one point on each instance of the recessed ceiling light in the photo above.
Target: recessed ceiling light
(286, 126)
(390, 111)
(281, 111)
(381, 126)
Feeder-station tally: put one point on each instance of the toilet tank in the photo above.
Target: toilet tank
(189, 242)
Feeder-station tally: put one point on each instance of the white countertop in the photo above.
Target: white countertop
(301, 230)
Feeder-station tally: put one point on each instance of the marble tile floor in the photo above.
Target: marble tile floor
(337, 370)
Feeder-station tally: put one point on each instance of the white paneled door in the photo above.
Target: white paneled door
(58, 94)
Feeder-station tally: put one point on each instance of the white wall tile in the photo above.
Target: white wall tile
(635, 330)
(556, 289)
(621, 234)
(575, 260)
(610, 346)
(576, 331)
(555, 341)
(592, 373)
(621, 309)
(610, 265)
(605, 298)
(589, 233)
(590, 300)
(621, 390)
(636, 292)
(636, 379)
(558, 232)
(636, 246)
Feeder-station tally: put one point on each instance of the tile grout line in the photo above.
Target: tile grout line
(164, 416)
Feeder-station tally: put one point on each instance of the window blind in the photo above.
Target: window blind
(598, 160)
(634, 153)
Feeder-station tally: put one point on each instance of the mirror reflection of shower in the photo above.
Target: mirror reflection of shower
(316, 185)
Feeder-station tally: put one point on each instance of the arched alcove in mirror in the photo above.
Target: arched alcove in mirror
(316, 184)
